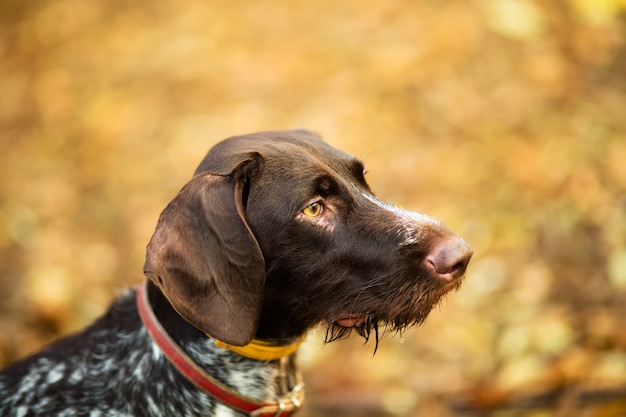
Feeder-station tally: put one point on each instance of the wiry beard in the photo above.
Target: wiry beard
(383, 325)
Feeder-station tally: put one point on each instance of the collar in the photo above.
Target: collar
(262, 350)
(283, 407)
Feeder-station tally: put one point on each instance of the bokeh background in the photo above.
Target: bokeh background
(504, 118)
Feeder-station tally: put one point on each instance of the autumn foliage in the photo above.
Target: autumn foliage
(504, 118)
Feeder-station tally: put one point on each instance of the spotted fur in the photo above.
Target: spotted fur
(114, 368)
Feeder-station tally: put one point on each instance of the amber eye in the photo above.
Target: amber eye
(313, 210)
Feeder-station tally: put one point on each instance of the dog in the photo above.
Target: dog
(276, 233)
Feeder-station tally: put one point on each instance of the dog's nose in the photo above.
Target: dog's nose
(449, 258)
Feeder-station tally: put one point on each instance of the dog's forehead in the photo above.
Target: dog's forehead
(279, 148)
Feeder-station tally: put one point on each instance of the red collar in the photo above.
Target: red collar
(285, 406)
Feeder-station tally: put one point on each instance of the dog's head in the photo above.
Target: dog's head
(278, 231)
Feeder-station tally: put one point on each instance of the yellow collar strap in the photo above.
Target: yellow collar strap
(262, 350)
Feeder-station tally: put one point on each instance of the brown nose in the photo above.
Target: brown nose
(449, 258)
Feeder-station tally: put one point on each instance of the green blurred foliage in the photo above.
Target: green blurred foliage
(504, 118)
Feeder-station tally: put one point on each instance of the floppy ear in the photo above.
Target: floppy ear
(205, 259)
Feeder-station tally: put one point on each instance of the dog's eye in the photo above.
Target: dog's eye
(313, 210)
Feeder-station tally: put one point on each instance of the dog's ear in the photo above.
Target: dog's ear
(205, 258)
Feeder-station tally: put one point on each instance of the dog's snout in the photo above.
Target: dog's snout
(449, 258)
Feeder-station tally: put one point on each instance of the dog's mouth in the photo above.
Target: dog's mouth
(366, 325)
(351, 320)
(344, 324)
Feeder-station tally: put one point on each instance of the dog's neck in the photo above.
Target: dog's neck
(263, 347)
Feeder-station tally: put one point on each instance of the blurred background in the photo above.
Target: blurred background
(506, 119)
